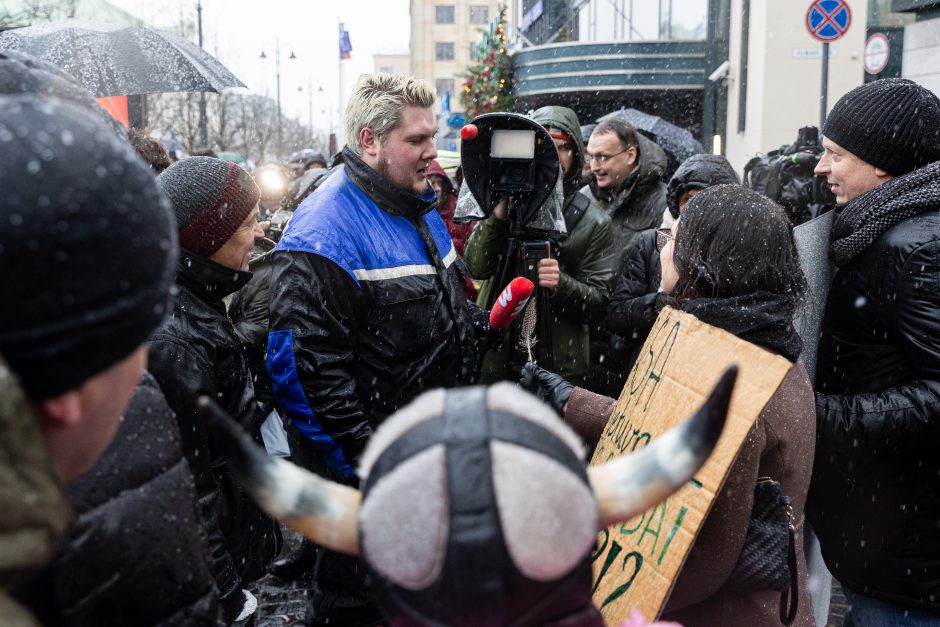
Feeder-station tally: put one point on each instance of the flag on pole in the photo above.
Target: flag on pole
(345, 46)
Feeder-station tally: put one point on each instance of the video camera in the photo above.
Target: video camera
(507, 154)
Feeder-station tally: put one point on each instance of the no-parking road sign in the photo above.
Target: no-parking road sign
(828, 20)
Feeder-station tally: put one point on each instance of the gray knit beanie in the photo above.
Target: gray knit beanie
(892, 123)
(211, 198)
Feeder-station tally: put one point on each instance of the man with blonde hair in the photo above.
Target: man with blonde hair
(367, 305)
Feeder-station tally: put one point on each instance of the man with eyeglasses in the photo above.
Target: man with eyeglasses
(579, 279)
(627, 169)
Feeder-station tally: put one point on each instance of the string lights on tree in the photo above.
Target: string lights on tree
(489, 81)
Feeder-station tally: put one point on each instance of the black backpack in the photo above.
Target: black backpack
(786, 176)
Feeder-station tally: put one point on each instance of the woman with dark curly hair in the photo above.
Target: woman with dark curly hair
(731, 262)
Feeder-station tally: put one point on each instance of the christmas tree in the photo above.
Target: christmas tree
(488, 84)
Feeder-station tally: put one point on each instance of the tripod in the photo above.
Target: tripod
(520, 257)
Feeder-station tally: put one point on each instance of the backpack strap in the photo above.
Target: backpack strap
(575, 210)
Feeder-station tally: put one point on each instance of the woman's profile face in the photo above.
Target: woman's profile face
(669, 274)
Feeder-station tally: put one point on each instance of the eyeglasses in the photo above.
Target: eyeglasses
(565, 148)
(663, 237)
(602, 159)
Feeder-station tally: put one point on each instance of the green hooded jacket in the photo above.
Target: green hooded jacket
(586, 261)
(35, 509)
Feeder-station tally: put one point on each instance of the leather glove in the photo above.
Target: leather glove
(548, 386)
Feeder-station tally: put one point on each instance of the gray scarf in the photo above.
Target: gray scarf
(865, 218)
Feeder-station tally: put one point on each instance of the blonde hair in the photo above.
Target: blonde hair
(377, 102)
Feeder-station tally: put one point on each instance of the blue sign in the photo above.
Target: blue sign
(828, 20)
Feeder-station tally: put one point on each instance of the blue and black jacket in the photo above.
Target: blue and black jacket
(367, 311)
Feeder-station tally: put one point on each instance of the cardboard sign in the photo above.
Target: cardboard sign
(637, 562)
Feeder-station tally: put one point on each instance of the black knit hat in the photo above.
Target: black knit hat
(87, 245)
(211, 198)
(892, 124)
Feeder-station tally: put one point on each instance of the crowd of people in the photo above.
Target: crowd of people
(135, 287)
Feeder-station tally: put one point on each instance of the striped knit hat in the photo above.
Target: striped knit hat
(211, 198)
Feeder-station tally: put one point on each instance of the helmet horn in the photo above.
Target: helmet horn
(631, 484)
(323, 511)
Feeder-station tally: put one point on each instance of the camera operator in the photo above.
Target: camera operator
(578, 279)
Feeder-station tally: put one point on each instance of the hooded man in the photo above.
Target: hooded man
(627, 169)
(197, 352)
(579, 276)
(873, 500)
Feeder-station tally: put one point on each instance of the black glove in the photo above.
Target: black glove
(548, 386)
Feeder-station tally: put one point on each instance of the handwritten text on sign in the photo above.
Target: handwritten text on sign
(637, 562)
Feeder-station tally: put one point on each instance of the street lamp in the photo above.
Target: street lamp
(277, 72)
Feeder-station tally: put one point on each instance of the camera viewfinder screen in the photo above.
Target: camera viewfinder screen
(512, 144)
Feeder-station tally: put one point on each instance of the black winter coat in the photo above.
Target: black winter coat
(367, 311)
(137, 555)
(249, 313)
(874, 500)
(636, 300)
(197, 352)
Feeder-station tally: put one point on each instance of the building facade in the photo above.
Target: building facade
(392, 63)
(921, 55)
(443, 33)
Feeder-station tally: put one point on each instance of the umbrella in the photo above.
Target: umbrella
(114, 60)
(677, 142)
(23, 74)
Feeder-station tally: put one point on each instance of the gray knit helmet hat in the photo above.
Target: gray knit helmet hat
(211, 198)
(892, 123)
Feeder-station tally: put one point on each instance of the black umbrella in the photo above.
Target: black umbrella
(113, 60)
(677, 142)
(23, 74)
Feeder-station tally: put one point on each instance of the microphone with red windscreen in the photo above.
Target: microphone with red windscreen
(511, 302)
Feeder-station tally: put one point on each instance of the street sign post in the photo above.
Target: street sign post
(827, 20)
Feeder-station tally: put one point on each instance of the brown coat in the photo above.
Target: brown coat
(780, 446)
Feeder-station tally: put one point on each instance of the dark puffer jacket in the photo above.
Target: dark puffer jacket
(636, 206)
(138, 554)
(197, 352)
(874, 501)
(636, 300)
(249, 313)
(367, 311)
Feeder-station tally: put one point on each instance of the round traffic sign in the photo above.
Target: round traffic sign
(827, 20)
(877, 53)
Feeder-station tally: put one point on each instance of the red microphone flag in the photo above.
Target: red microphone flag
(511, 302)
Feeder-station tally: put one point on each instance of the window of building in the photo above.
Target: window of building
(479, 14)
(444, 14)
(444, 86)
(444, 51)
